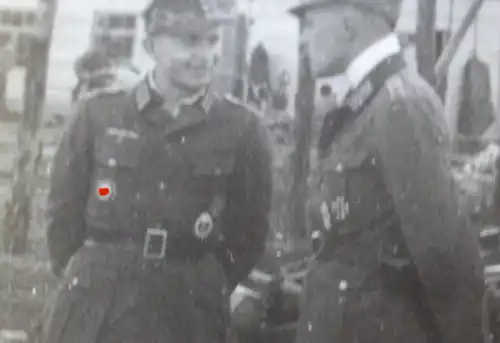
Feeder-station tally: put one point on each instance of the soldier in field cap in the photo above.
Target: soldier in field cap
(184, 16)
(159, 197)
(395, 261)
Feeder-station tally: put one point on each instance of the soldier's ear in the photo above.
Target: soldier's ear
(349, 17)
(349, 28)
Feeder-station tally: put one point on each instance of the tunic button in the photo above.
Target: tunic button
(218, 171)
(343, 285)
(316, 234)
(112, 162)
(162, 185)
(339, 168)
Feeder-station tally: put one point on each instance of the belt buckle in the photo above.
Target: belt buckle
(150, 251)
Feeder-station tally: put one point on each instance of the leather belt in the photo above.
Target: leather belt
(154, 245)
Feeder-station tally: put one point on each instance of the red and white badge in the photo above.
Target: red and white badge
(104, 190)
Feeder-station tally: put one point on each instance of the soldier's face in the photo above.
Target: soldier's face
(327, 40)
(188, 60)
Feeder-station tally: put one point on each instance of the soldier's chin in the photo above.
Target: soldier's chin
(194, 84)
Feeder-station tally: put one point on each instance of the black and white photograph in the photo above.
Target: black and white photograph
(249, 171)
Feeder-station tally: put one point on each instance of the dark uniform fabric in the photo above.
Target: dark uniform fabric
(398, 263)
(162, 173)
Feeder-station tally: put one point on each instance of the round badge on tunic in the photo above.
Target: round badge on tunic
(104, 190)
(203, 225)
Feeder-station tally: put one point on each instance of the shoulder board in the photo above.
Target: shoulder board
(235, 101)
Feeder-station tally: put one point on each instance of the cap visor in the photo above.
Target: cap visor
(300, 10)
(192, 26)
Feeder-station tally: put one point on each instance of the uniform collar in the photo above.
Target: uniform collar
(147, 92)
(365, 62)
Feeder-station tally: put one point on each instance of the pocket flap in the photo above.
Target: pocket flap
(215, 163)
(86, 270)
(344, 278)
(355, 160)
(115, 151)
(345, 161)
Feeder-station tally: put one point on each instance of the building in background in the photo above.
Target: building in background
(279, 33)
(482, 39)
(16, 21)
(77, 24)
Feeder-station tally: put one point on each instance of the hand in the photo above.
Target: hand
(248, 315)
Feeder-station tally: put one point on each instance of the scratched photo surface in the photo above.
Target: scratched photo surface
(246, 171)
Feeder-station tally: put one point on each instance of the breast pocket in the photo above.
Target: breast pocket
(211, 176)
(113, 153)
(329, 288)
(364, 190)
(114, 182)
(215, 163)
(331, 207)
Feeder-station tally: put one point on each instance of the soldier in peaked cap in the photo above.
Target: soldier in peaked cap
(395, 261)
(159, 196)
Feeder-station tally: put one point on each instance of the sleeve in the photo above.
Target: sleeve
(249, 202)
(444, 250)
(67, 198)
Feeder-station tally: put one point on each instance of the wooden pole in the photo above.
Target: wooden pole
(302, 132)
(7, 62)
(425, 39)
(442, 87)
(17, 220)
(497, 111)
(241, 41)
(451, 48)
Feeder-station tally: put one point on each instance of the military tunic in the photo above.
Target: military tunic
(397, 263)
(206, 172)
